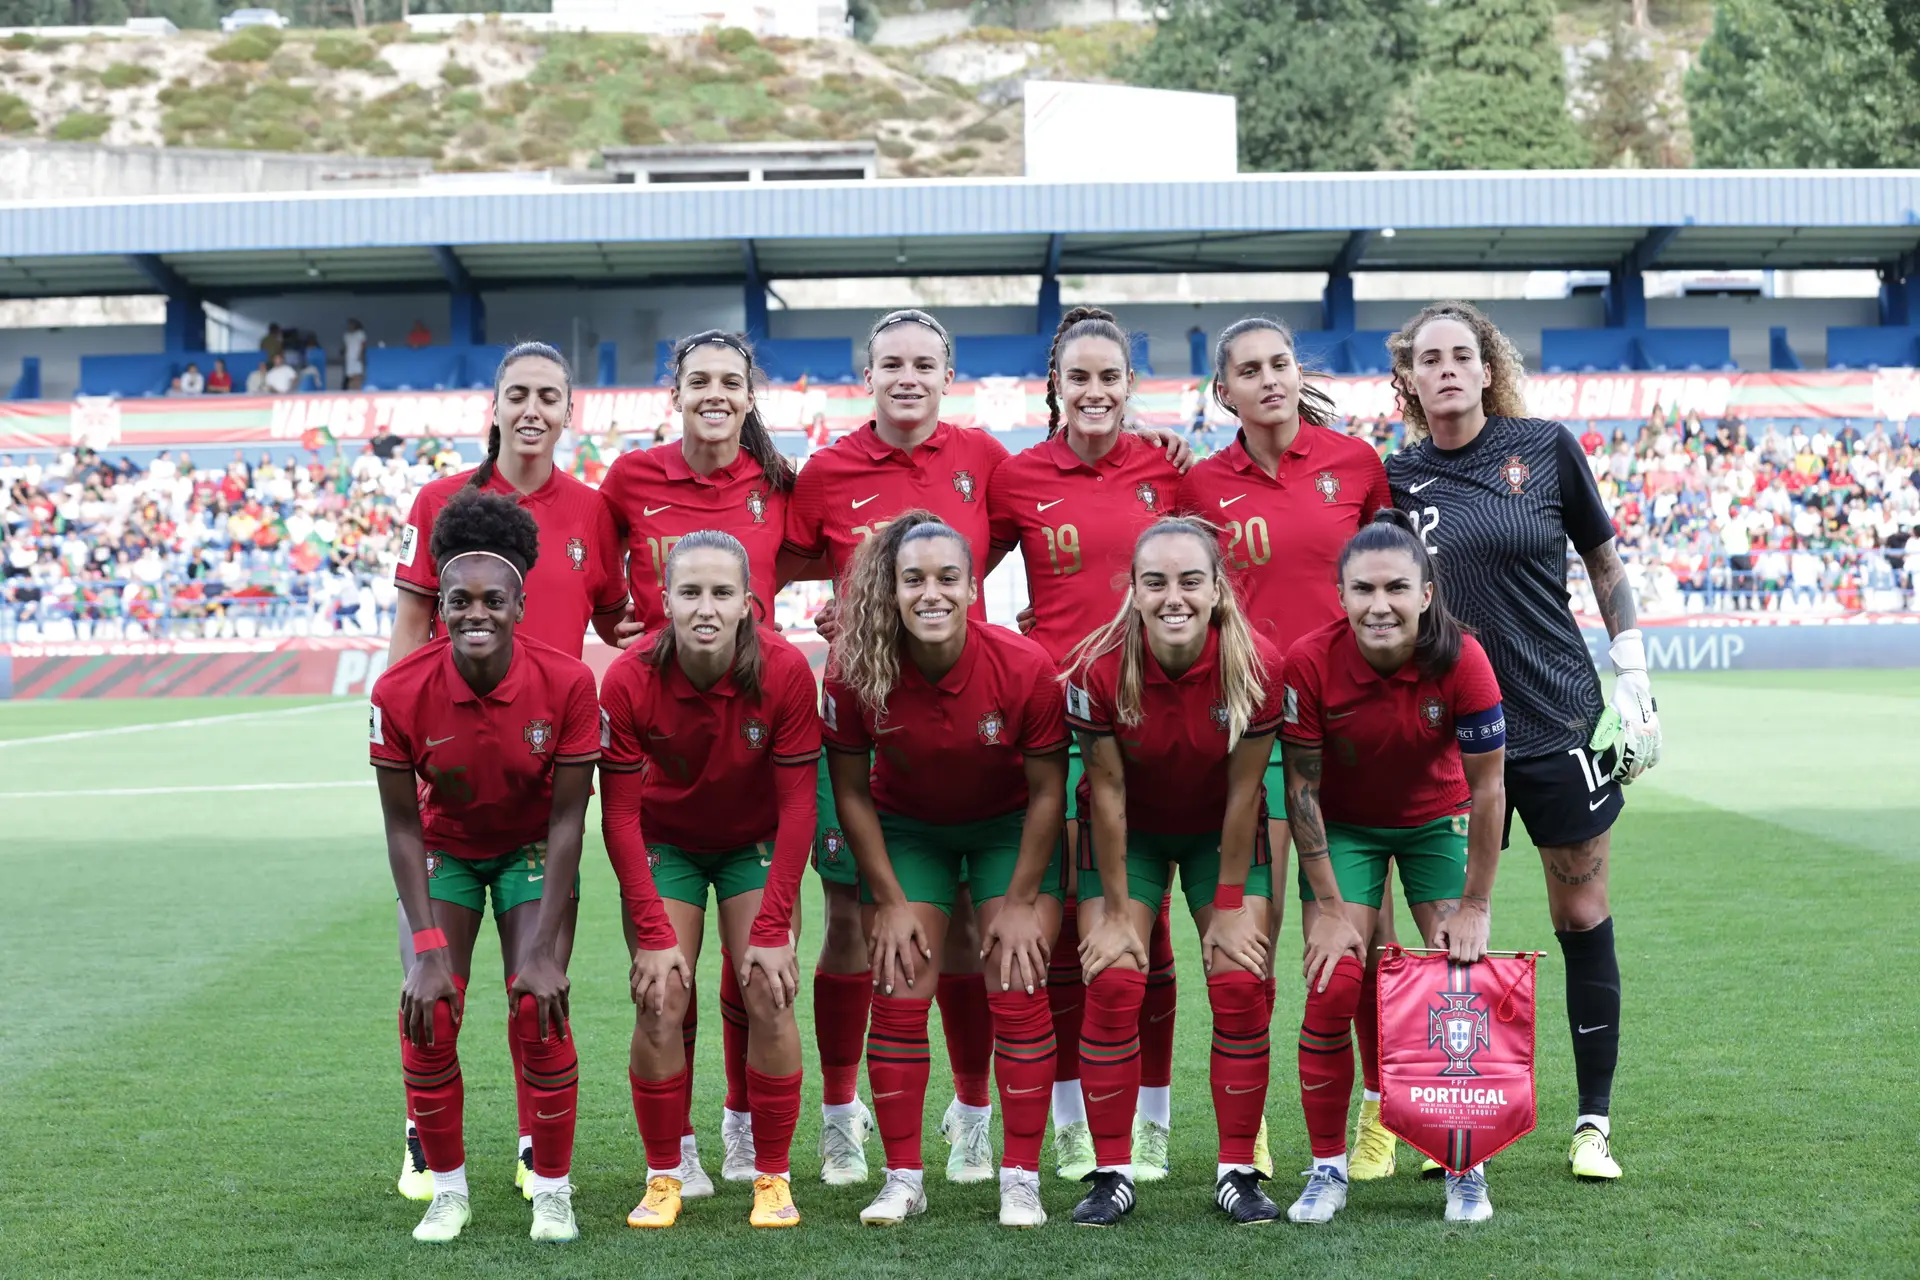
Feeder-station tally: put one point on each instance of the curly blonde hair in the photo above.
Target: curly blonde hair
(1504, 396)
(865, 655)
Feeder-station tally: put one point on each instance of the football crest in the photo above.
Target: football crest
(757, 505)
(1432, 711)
(653, 857)
(832, 844)
(577, 554)
(1148, 494)
(990, 726)
(1328, 484)
(963, 485)
(1219, 713)
(433, 865)
(1459, 1029)
(1516, 473)
(539, 735)
(756, 733)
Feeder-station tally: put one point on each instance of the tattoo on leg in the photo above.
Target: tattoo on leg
(1576, 869)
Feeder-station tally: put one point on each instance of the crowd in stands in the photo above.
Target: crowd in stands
(1790, 519)
(286, 367)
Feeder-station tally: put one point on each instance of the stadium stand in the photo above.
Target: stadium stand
(1872, 347)
(432, 368)
(1624, 350)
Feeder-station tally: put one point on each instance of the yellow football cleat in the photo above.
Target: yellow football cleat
(415, 1182)
(661, 1208)
(1431, 1168)
(773, 1203)
(1373, 1146)
(1591, 1156)
(523, 1170)
(1262, 1153)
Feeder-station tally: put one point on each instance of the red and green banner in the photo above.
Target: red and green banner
(1001, 404)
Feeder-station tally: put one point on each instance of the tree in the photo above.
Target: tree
(1494, 95)
(1625, 123)
(1316, 79)
(1799, 84)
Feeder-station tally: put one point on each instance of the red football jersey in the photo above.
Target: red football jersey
(1282, 534)
(485, 763)
(1390, 755)
(656, 499)
(577, 575)
(1176, 757)
(1075, 525)
(854, 487)
(955, 750)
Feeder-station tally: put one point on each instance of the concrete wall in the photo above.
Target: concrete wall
(72, 171)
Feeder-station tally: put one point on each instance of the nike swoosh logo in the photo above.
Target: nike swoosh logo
(1092, 1097)
(654, 511)
(766, 862)
(1309, 1088)
(1037, 1088)
(876, 1097)
(441, 742)
(1044, 505)
(1602, 1027)
(1340, 715)
(1415, 488)
(436, 1111)
(1161, 1017)
(879, 732)
(555, 1116)
(1227, 502)
(863, 502)
(541, 876)
(1252, 1088)
(1597, 803)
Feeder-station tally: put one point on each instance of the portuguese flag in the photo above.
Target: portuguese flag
(315, 438)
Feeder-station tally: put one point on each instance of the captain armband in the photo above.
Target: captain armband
(1482, 731)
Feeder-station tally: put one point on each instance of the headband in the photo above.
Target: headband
(719, 338)
(521, 577)
(893, 318)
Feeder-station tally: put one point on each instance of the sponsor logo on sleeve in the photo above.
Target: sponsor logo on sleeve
(1291, 712)
(374, 734)
(606, 729)
(830, 713)
(1078, 704)
(409, 543)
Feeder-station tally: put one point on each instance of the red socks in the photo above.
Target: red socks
(841, 1002)
(1272, 991)
(1326, 1058)
(659, 1106)
(967, 1024)
(733, 1034)
(436, 1097)
(1366, 1029)
(1023, 1048)
(775, 1103)
(1066, 994)
(1110, 1062)
(689, 1036)
(1239, 1067)
(897, 1075)
(551, 1070)
(1156, 1008)
(522, 1100)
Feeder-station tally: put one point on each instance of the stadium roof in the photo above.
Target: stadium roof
(635, 236)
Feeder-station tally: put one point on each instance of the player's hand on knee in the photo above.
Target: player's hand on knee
(542, 978)
(1016, 932)
(1331, 939)
(898, 945)
(430, 982)
(1107, 943)
(1236, 935)
(778, 970)
(652, 971)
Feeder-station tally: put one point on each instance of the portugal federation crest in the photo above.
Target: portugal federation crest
(1328, 484)
(433, 865)
(539, 736)
(1219, 713)
(833, 843)
(1432, 710)
(963, 485)
(1459, 1028)
(990, 726)
(577, 554)
(757, 505)
(756, 733)
(1149, 495)
(1516, 473)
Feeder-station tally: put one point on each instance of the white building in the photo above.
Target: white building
(795, 19)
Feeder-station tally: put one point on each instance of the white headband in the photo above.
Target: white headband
(521, 578)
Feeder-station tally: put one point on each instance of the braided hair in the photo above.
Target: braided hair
(483, 474)
(1081, 322)
(754, 436)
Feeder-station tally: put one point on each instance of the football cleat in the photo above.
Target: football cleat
(971, 1137)
(694, 1182)
(445, 1218)
(522, 1171)
(661, 1207)
(1111, 1199)
(1467, 1196)
(553, 1217)
(1591, 1155)
(736, 1141)
(1262, 1153)
(416, 1183)
(1431, 1168)
(901, 1197)
(1240, 1195)
(1373, 1146)
(843, 1139)
(1073, 1151)
(1150, 1139)
(1325, 1195)
(773, 1203)
(1020, 1200)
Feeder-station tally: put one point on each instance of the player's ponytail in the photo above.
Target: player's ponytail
(1437, 646)
(483, 474)
(747, 658)
(866, 649)
(755, 439)
(1081, 322)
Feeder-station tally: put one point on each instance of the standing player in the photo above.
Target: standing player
(501, 733)
(963, 724)
(721, 715)
(1074, 506)
(578, 581)
(723, 473)
(1496, 497)
(1395, 745)
(1173, 701)
(1286, 495)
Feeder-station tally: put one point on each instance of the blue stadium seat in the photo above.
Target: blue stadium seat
(141, 375)
(820, 359)
(1695, 349)
(1608, 350)
(28, 385)
(416, 368)
(1367, 351)
(1872, 346)
(1001, 355)
(480, 364)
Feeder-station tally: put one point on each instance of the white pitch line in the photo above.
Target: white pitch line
(184, 791)
(196, 722)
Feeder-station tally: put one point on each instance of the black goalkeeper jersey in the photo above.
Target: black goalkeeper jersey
(1497, 516)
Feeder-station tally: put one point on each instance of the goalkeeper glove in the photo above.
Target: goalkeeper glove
(1630, 727)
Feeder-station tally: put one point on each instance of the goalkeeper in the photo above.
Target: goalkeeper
(1497, 497)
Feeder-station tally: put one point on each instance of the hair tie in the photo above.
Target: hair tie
(518, 576)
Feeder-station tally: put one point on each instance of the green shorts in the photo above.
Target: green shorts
(1432, 859)
(684, 876)
(1276, 785)
(1151, 859)
(832, 855)
(1076, 770)
(931, 861)
(515, 878)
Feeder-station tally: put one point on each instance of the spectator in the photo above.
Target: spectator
(219, 382)
(280, 378)
(274, 344)
(192, 382)
(1591, 439)
(419, 336)
(257, 380)
(353, 356)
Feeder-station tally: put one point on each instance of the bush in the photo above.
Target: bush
(734, 40)
(343, 52)
(15, 115)
(249, 44)
(82, 126)
(985, 131)
(894, 149)
(638, 128)
(459, 74)
(124, 75)
(464, 100)
(21, 40)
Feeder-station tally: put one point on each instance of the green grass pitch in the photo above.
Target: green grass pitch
(198, 1072)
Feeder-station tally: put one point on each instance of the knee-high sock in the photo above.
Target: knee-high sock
(897, 1075)
(1239, 1061)
(659, 1107)
(551, 1070)
(1366, 1030)
(1023, 1056)
(1593, 1013)
(522, 1100)
(775, 1103)
(841, 1006)
(968, 1026)
(1110, 1062)
(436, 1096)
(1157, 1006)
(1271, 990)
(689, 1037)
(733, 1034)
(1326, 1058)
(1066, 994)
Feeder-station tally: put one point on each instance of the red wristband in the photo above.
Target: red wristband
(428, 939)
(1229, 897)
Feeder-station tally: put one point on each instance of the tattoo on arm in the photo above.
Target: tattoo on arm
(1304, 766)
(1085, 741)
(1611, 590)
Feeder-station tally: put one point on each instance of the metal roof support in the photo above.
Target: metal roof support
(1900, 291)
(1338, 313)
(1626, 292)
(186, 323)
(466, 312)
(1046, 313)
(754, 293)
